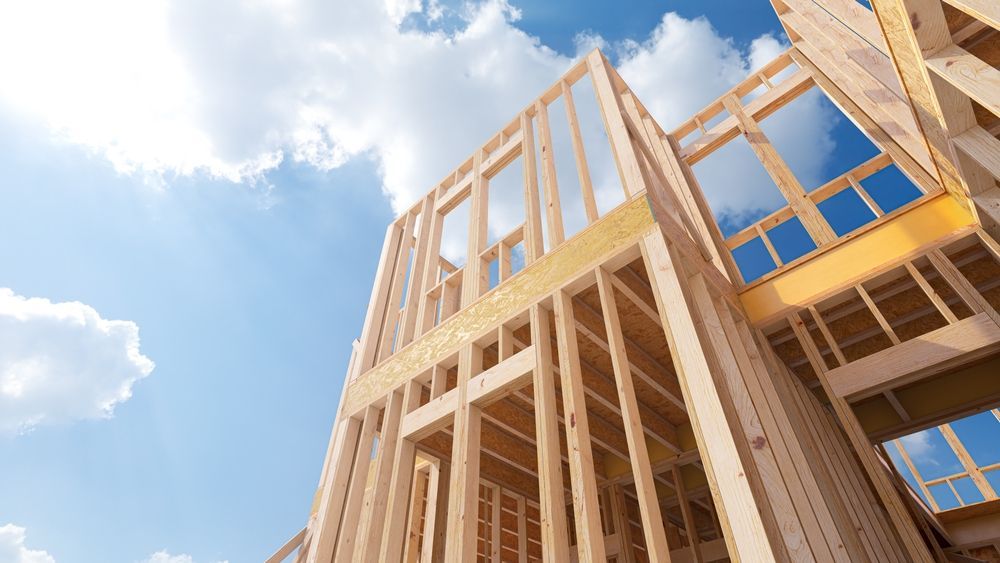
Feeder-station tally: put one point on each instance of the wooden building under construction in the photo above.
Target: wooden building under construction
(621, 387)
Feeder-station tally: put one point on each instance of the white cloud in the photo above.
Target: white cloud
(233, 88)
(919, 446)
(61, 362)
(164, 557)
(13, 550)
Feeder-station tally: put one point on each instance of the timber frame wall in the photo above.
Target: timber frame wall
(625, 394)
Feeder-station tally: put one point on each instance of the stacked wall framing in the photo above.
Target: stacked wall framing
(626, 394)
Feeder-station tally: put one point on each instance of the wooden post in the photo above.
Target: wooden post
(417, 498)
(441, 500)
(916, 30)
(534, 245)
(430, 510)
(391, 546)
(589, 536)
(623, 528)
(356, 489)
(463, 505)
(335, 491)
(744, 525)
(522, 530)
(476, 278)
(553, 210)
(495, 539)
(335, 473)
(649, 505)
(931, 501)
(374, 513)
(898, 515)
(555, 538)
(690, 525)
(609, 101)
(582, 170)
(804, 208)
(431, 274)
(971, 467)
(380, 296)
(390, 320)
(911, 504)
(415, 286)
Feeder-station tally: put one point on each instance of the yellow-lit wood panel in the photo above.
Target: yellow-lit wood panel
(855, 259)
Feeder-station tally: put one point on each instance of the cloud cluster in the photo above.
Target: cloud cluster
(13, 550)
(231, 88)
(919, 446)
(164, 557)
(61, 362)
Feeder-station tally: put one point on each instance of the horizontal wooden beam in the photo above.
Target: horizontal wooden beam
(933, 401)
(768, 72)
(986, 11)
(933, 353)
(430, 418)
(489, 386)
(969, 74)
(982, 147)
(758, 108)
(503, 378)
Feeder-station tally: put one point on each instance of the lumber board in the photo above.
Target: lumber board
(933, 353)
(744, 527)
(589, 535)
(555, 536)
(649, 507)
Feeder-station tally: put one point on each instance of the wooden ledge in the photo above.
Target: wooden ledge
(949, 347)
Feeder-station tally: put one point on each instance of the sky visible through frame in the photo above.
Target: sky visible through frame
(246, 288)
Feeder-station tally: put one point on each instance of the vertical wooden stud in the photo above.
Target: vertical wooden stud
(534, 245)
(463, 505)
(582, 170)
(356, 489)
(589, 536)
(649, 506)
(374, 513)
(553, 210)
(391, 545)
(555, 539)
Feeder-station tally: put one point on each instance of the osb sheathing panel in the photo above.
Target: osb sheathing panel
(653, 356)
(858, 322)
(850, 261)
(616, 231)
(983, 271)
(986, 553)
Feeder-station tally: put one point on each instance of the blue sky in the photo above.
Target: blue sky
(210, 176)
